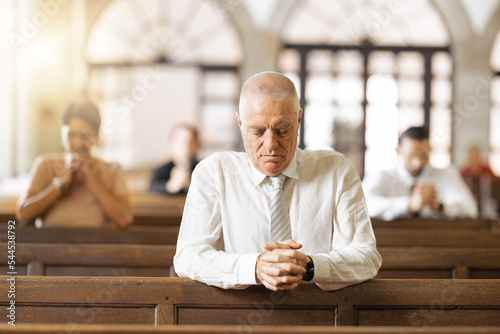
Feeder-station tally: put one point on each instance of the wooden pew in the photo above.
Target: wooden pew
(153, 209)
(458, 263)
(192, 329)
(401, 237)
(479, 224)
(167, 235)
(151, 235)
(159, 301)
(495, 192)
(37, 259)
(7, 208)
(156, 261)
(149, 209)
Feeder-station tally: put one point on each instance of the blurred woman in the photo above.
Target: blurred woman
(175, 176)
(76, 189)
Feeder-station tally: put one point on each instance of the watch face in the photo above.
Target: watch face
(56, 182)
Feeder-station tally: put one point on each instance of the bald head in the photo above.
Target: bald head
(271, 86)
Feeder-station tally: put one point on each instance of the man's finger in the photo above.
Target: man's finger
(283, 269)
(292, 254)
(274, 284)
(276, 245)
(287, 244)
(276, 258)
(269, 286)
(293, 244)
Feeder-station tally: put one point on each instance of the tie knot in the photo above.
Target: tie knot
(277, 181)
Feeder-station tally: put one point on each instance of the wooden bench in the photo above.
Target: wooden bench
(192, 329)
(167, 235)
(479, 224)
(7, 208)
(38, 259)
(495, 192)
(152, 209)
(53, 259)
(458, 263)
(149, 209)
(401, 237)
(157, 301)
(151, 235)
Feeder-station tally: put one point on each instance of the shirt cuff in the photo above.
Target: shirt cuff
(246, 270)
(400, 206)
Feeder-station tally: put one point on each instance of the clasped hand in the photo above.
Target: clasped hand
(423, 195)
(281, 266)
(77, 168)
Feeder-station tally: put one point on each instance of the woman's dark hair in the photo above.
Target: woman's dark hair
(85, 110)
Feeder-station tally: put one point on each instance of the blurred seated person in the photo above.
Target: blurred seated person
(75, 189)
(415, 188)
(481, 180)
(175, 176)
(475, 166)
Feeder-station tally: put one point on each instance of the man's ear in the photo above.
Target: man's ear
(238, 117)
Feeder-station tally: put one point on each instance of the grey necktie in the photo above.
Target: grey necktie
(281, 229)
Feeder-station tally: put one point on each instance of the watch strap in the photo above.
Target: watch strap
(58, 184)
(309, 275)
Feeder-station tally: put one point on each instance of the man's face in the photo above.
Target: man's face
(270, 130)
(415, 154)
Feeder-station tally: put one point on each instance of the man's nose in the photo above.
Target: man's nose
(417, 162)
(271, 140)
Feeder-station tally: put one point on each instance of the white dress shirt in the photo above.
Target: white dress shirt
(226, 220)
(388, 193)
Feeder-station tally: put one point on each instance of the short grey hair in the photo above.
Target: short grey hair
(273, 86)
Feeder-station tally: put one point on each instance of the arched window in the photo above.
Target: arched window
(151, 67)
(367, 70)
(494, 157)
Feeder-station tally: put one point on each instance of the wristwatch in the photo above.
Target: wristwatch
(309, 275)
(57, 183)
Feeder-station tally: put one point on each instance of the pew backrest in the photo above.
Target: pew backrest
(157, 301)
(400, 237)
(479, 224)
(193, 329)
(38, 259)
(440, 263)
(164, 235)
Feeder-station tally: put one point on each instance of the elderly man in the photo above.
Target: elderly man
(243, 226)
(415, 188)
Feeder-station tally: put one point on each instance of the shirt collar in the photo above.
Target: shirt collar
(290, 171)
(404, 172)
